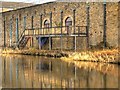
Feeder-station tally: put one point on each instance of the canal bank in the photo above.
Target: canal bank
(105, 56)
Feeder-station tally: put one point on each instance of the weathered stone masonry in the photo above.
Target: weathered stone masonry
(35, 16)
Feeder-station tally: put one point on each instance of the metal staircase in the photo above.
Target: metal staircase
(22, 40)
(45, 33)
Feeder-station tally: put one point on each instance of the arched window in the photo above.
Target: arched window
(68, 21)
(46, 23)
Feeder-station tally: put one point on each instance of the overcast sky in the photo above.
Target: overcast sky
(30, 1)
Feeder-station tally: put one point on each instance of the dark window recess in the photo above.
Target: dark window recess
(46, 23)
(68, 21)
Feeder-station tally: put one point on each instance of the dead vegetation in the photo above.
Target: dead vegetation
(105, 55)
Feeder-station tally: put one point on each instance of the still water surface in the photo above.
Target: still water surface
(40, 72)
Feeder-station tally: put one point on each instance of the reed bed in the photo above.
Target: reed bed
(106, 55)
(109, 56)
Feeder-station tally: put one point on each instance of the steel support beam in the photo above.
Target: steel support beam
(50, 43)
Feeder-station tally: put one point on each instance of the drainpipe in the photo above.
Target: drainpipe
(104, 27)
(88, 23)
(61, 30)
(50, 19)
(74, 19)
(74, 41)
(17, 32)
(10, 32)
(32, 30)
(41, 21)
(4, 34)
(50, 38)
(32, 23)
(24, 22)
(41, 15)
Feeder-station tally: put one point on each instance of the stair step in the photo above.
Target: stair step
(23, 41)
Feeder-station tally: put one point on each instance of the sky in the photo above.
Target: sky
(30, 1)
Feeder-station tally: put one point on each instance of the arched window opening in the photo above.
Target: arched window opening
(46, 23)
(68, 21)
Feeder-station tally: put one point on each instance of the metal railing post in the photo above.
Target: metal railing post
(49, 43)
(75, 43)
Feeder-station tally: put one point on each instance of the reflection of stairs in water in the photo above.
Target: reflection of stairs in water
(22, 43)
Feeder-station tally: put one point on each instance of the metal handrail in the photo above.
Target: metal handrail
(52, 30)
(55, 32)
(53, 27)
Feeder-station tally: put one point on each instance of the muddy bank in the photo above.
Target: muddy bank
(106, 56)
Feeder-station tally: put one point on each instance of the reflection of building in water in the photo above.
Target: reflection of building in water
(39, 72)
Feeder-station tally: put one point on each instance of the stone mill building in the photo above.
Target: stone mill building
(62, 26)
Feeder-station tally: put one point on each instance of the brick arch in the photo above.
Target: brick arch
(64, 20)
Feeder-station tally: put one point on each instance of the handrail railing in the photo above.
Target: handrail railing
(52, 27)
(66, 30)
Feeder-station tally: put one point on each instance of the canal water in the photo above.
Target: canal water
(41, 72)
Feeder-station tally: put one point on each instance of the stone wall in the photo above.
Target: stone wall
(119, 24)
(96, 21)
(112, 24)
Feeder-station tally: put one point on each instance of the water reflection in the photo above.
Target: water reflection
(39, 72)
(43, 66)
